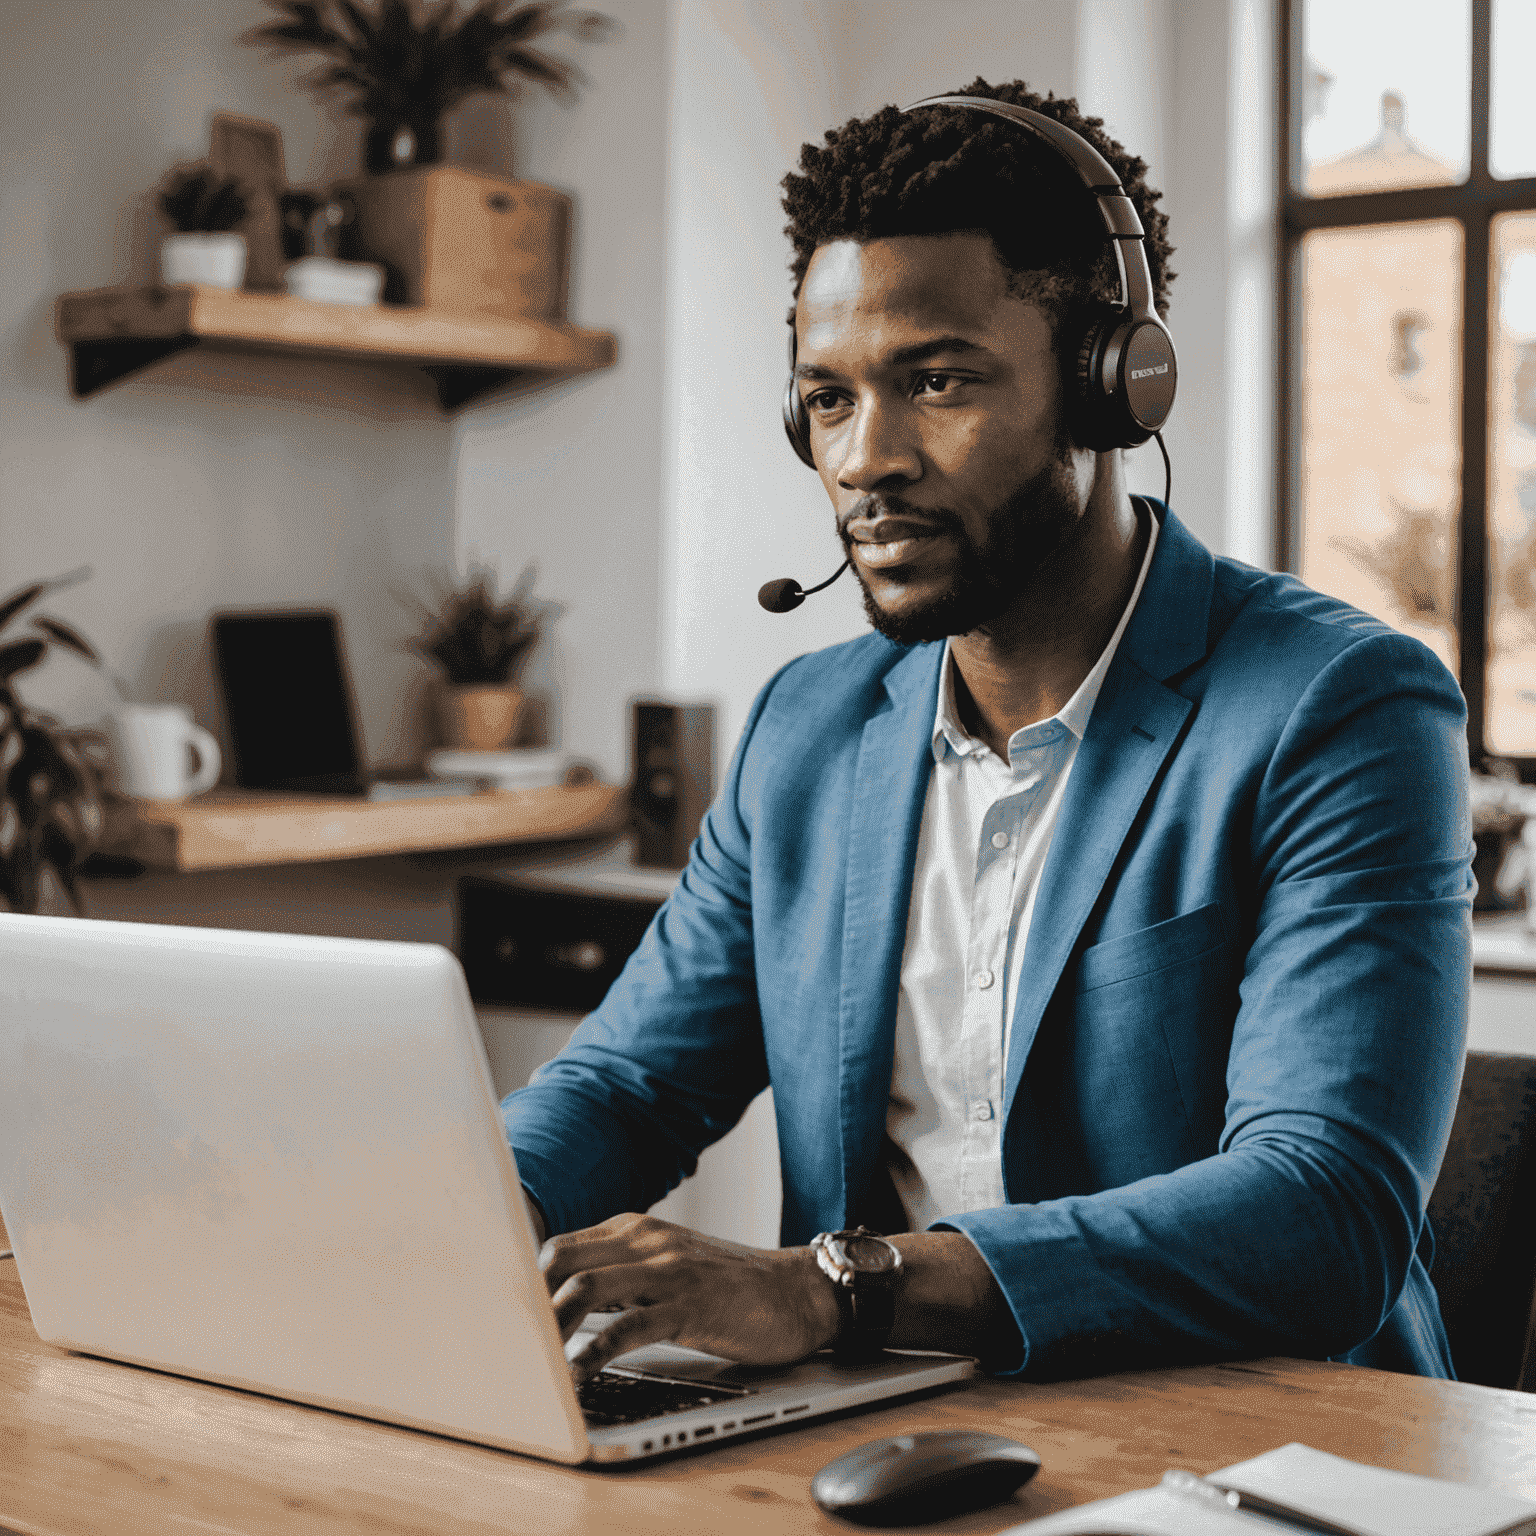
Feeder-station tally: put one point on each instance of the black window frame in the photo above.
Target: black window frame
(1474, 203)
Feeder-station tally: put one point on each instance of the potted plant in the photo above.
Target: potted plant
(480, 644)
(402, 65)
(203, 208)
(50, 777)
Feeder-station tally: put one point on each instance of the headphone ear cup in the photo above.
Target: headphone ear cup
(1095, 418)
(797, 427)
(1126, 375)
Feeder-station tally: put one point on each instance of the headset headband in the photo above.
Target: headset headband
(1118, 212)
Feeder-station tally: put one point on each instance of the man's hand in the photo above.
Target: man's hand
(761, 1306)
(756, 1305)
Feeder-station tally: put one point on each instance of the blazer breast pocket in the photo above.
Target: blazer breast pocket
(1151, 1024)
(1165, 944)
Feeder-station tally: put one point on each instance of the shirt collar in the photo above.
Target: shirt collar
(950, 735)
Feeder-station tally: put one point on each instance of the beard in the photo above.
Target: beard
(1021, 534)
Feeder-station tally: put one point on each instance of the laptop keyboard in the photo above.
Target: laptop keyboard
(614, 1397)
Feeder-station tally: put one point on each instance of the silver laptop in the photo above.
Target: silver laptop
(276, 1162)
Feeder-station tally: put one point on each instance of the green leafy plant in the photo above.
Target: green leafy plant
(197, 200)
(477, 638)
(50, 777)
(408, 62)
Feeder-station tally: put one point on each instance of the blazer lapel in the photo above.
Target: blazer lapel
(890, 786)
(1135, 724)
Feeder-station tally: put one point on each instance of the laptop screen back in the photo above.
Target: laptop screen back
(276, 1162)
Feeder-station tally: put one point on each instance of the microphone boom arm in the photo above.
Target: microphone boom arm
(785, 593)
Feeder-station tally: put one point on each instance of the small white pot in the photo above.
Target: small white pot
(215, 260)
(324, 280)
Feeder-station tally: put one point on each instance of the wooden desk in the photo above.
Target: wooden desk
(89, 1447)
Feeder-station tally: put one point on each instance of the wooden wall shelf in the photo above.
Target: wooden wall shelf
(114, 332)
(232, 829)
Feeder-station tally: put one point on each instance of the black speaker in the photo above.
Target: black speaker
(674, 779)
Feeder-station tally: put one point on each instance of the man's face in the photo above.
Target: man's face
(933, 396)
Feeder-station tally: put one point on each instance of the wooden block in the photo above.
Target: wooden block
(455, 239)
(107, 314)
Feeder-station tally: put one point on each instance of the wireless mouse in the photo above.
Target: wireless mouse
(911, 1479)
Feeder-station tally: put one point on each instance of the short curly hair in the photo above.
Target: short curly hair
(946, 169)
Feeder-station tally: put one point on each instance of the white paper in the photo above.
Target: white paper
(1368, 1501)
(1152, 1512)
(1374, 1501)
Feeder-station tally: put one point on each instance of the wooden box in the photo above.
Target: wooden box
(454, 239)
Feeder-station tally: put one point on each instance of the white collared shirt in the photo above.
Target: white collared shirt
(987, 827)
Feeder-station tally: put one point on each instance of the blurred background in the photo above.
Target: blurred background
(1351, 186)
(654, 497)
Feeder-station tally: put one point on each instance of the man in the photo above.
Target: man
(1101, 923)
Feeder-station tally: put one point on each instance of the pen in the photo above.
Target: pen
(1188, 1484)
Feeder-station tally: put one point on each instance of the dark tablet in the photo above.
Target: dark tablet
(288, 701)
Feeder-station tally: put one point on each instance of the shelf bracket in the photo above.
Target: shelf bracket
(96, 364)
(460, 384)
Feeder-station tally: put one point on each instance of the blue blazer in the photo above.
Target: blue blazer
(1239, 1032)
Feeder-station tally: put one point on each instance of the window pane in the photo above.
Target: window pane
(1512, 126)
(1511, 723)
(1386, 94)
(1379, 416)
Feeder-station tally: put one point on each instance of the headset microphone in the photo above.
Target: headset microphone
(786, 593)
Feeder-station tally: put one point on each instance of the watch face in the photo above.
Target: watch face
(870, 1255)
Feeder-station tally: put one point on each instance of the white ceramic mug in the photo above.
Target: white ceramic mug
(153, 750)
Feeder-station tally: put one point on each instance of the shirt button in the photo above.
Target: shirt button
(981, 1110)
(999, 839)
(984, 979)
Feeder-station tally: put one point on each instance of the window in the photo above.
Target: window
(1408, 311)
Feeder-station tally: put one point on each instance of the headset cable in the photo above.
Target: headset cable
(1167, 472)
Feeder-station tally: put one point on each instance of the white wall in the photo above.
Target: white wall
(571, 478)
(751, 79)
(898, 53)
(1249, 362)
(1222, 199)
(1123, 62)
(204, 483)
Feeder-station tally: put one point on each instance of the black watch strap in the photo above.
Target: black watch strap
(864, 1284)
(868, 1317)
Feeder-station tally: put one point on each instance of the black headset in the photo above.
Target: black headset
(1126, 368)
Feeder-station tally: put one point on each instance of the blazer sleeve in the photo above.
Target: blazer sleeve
(671, 1058)
(1297, 1236)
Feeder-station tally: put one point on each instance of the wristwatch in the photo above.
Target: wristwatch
(864, 1270)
